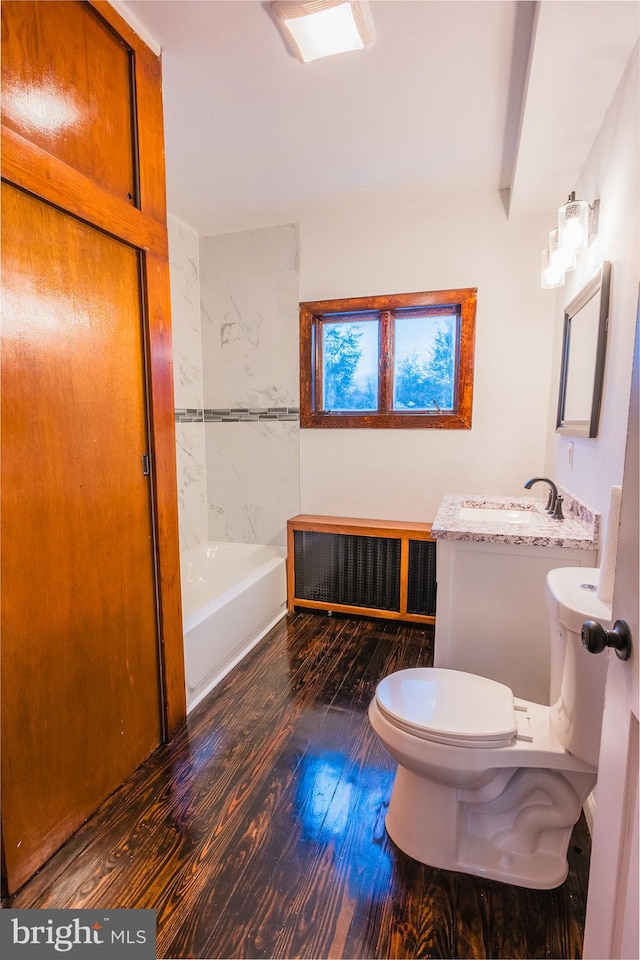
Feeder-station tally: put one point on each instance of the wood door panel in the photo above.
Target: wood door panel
(58, 59)
(27, 166)
(80, 660)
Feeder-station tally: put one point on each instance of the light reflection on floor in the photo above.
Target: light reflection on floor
(337, 807)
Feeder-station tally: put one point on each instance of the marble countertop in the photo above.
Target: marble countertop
(580, 529)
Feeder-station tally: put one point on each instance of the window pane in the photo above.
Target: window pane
(424, 364)
(350, 365)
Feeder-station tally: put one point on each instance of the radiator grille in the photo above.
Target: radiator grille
(348, 569)
(421, 596)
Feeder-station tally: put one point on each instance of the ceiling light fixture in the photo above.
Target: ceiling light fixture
(577, 226)
(320, 28)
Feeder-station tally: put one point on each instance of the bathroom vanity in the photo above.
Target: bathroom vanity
(493, 556)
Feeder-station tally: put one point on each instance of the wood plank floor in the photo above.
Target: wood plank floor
(259, 831)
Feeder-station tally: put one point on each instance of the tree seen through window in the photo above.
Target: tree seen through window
(424, 380)
(423, 371)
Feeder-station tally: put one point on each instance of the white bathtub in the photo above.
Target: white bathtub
(232, 594)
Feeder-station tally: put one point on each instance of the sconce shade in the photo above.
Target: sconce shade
(561, 259)
(320, 28)
(552, 274)
(573, 224)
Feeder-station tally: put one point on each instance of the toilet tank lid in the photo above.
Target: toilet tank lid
(572, 597)
(449, 703)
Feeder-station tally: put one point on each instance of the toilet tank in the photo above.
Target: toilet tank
(577, 677)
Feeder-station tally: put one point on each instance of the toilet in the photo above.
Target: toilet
(488, 784)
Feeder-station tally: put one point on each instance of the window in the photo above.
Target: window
(399, 361)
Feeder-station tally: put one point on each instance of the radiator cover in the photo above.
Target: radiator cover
(421, 595)
(347, 571)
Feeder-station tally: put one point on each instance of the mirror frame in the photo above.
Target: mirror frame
(598, 286)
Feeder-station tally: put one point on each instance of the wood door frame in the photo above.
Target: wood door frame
(143, 227)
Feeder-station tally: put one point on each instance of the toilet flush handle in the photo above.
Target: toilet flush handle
(595, 638)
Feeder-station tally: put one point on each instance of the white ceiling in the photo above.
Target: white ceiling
(441, 106)
(579, 52)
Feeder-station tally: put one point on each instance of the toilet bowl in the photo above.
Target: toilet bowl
(486, 783)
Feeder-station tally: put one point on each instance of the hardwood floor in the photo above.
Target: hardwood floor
(259, 831)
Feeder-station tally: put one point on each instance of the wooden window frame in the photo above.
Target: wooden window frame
(461, 302)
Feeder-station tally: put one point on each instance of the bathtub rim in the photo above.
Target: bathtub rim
(194, 619)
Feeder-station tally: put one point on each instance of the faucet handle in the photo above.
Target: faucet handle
(557, 509)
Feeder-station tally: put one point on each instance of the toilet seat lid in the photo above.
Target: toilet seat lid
(449, 706)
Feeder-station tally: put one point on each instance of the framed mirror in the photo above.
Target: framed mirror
(584, 345)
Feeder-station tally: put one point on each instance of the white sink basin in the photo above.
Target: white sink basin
(497, 515)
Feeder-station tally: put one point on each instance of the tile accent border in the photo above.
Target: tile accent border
(235, 414)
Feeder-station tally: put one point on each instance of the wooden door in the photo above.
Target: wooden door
(611, 929)
(80, 690)
(92, 668)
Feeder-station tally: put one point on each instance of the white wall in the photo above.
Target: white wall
(611, 172)
(403, 474)
(400, 474)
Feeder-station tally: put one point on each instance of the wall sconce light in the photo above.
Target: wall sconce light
(577, 226)
(573, 224)
(320, 28)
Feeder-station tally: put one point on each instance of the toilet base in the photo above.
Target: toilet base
(515, 829)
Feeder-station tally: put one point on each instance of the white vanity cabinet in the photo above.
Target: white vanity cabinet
(491, 616)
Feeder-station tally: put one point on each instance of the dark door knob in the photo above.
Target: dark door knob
(595, 638)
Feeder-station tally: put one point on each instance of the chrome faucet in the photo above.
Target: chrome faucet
(554, 502)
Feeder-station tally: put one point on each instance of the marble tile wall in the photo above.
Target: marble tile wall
(187, 370)
(249, 313)
(253, 480)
